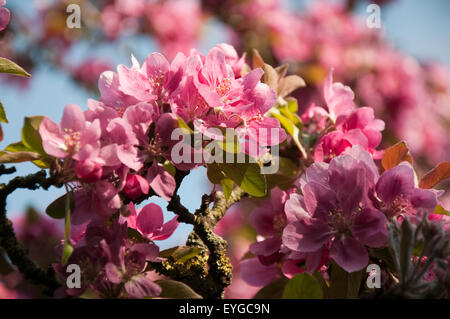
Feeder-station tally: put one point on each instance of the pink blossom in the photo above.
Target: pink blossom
(5, 15)
(155, 80)
(161, 181)
(95, 202)
(135, 186)
(68, 137)
(396, 193)
(149, 221)
(339, 98)
(168, 18)
(89, 71)
(232, 58)
(257, 274)
(334, 211)
(89, 166)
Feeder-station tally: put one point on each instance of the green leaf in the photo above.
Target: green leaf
(20, 147)
(227, 185)
(30, 134)
(67, 252)
(230, 146)
(441, 211)
(8, 66)
(274, 290)
(18, 157)
(215, 175)
(135, 235)
(291, 128)
(177, 290)
(344, 285)
(17, 147)
(303, 286)
(68, 248)
(180, 254)
(245, 175)
(3, 117)
(169, 168)
(57, 209)
(407, 241)
(182, 124)
(292, 104)
(285, 176)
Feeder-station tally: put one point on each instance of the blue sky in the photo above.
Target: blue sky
(420, 28)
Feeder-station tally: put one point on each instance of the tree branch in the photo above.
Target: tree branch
(8, 240)
(215, 270)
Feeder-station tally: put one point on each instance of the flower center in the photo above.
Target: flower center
(224, 87)
(72, 139)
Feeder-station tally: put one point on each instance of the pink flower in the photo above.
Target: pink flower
(334, 211)
(149, 221)
(5, 15)
(161, 181)
(68, 137)
(155, 80)
(396, 193)
(89, 71)
(176, 24)
(95, 202)
(355, 127)
(362, 119)
(135, 186)
(339, 98)
(89, 166)
(256, 274)
(232, 58)
(315, 115)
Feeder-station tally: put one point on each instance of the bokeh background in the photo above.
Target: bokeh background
(416, 27)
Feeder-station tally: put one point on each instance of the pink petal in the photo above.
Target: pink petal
(113, 273)
(266, 247)
(134, 83)
(73, 118)
(162, 182)
(295, 209)
(141, 286)
(256, 274)
(150, 250)
(52, 141)
(339, 97)
(167, 229)
(350, 254)
(306, 235)
(150, 219)
(370, 228)
(5, 16)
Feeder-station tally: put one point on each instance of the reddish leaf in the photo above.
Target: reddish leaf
(396, 154)
(258, 61)
(436, 175)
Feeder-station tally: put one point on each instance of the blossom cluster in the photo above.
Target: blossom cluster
(122, 141)
(405, 93)
(339, 210)
(338, 200)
